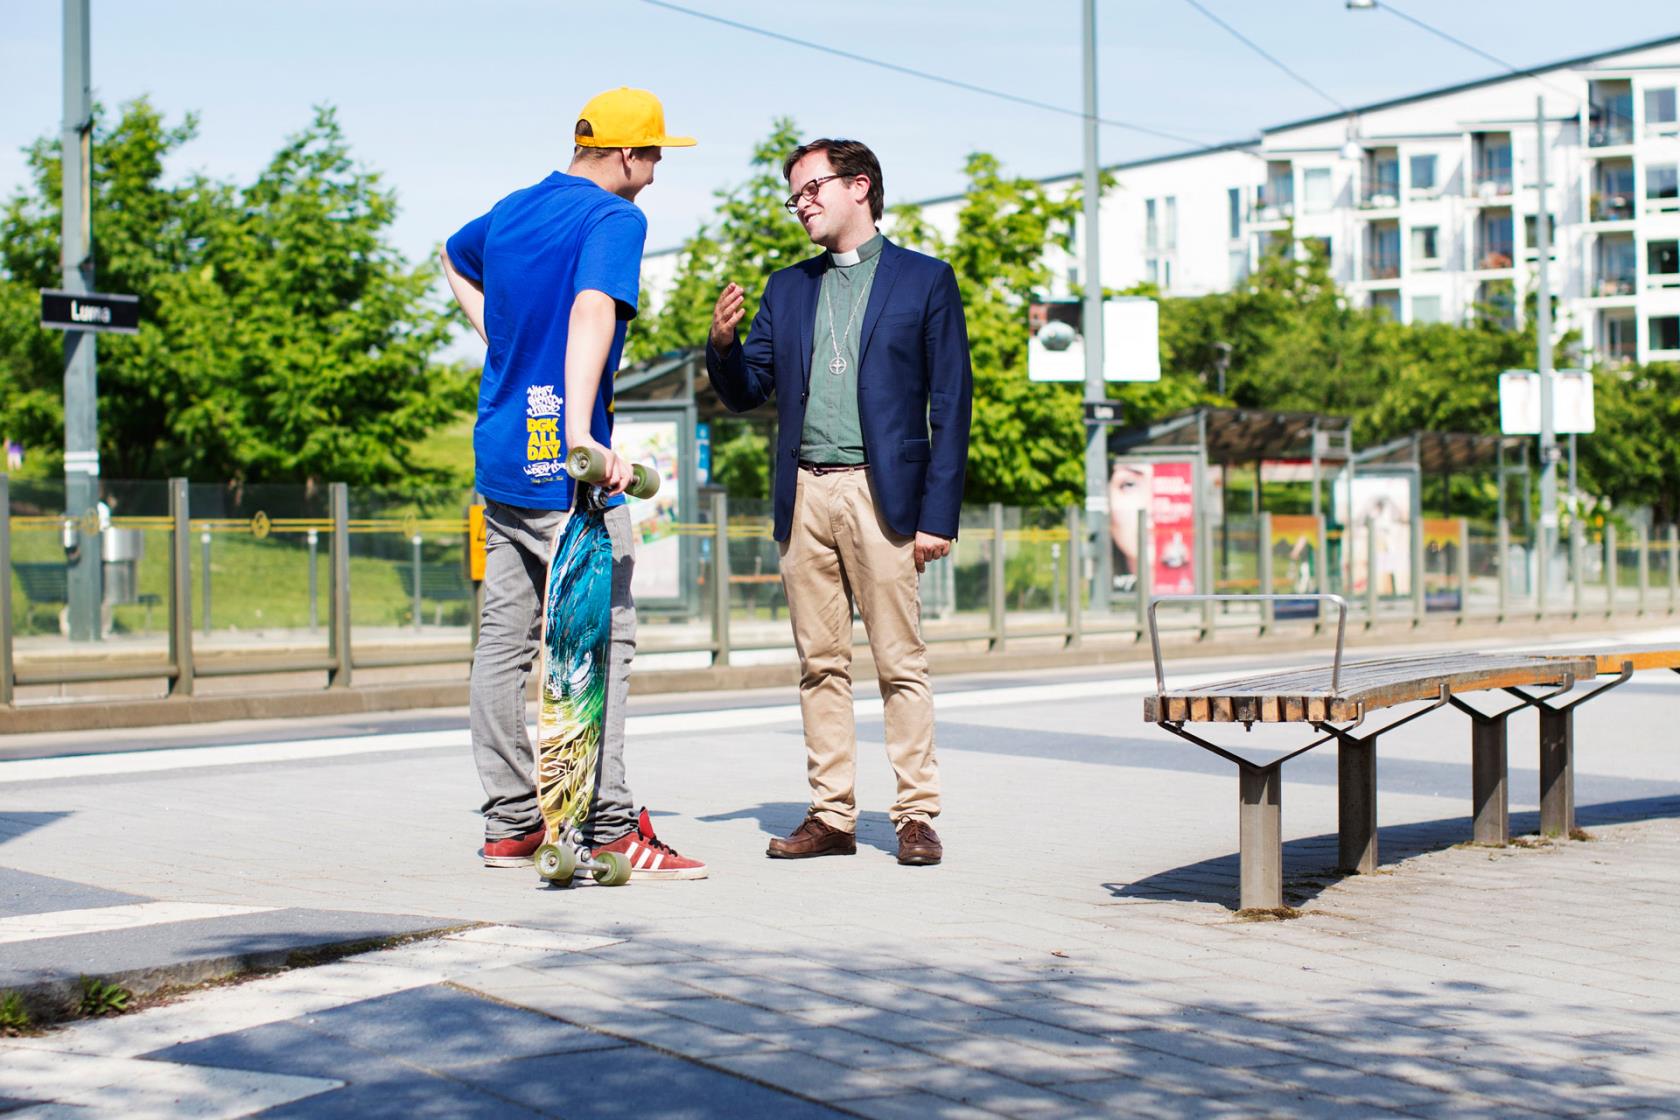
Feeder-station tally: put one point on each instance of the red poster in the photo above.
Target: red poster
(1172, 515)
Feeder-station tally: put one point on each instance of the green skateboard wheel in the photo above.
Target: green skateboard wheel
(586, 464)
(614, 870)
(556, 861)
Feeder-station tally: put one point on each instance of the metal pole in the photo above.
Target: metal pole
(180, 589)
(1321, 557)
(1463, 570)
(995, 578)
(1075, 563)
(1503, 568)
(418, 607)
(1371, 603)
(1419, 602)
(1145, 573)
(1543, 333)
(1204, 562)
(314, 580)
(1096, 435)
(338, 586)
(5, 591)
(1612, 574)
(1673, 568)
(81, 382)
(1577, 552)
(1644, 568)
(204, 576)
(1263, 554)
(720, 578)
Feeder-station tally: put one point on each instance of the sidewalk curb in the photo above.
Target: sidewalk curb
(52, 1003)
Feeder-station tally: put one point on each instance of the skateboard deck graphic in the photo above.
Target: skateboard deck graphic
(577, 627)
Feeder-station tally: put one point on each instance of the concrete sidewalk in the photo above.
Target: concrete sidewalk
(1075, 956)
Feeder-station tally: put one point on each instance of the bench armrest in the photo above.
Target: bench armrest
(1155, 632)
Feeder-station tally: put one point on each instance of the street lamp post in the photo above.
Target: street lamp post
(1096, 434)
(81, 415)
(1549, 454)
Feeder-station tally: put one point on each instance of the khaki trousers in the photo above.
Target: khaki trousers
(840, 549)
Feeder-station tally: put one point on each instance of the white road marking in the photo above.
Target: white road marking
(669, 723)
(109, 919)
(128, 1087)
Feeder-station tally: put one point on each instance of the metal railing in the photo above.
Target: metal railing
(1015, 575)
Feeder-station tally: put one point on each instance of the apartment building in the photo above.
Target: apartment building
(1428, 205)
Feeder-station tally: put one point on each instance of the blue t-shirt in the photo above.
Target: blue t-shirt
(533, 253)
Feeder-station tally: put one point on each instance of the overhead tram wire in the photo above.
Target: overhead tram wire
(1384, 5)
(924, 75)
(1267, 55)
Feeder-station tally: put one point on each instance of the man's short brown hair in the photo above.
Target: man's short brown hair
(590, 152)
(849, 158)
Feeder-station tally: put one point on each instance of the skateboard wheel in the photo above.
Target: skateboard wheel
(555, 861)
(644, 483)
(586, 464)
(613, 869)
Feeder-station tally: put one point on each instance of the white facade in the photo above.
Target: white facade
(1428, 204)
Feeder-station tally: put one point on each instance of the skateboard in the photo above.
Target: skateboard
(577, 624)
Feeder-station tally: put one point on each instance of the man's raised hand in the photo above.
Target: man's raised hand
(726, 316)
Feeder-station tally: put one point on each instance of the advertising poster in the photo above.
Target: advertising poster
(1386, 502)
(658, 567)
(1295, 564)
(1167, 489)
(1131, 340)
(1441, 542)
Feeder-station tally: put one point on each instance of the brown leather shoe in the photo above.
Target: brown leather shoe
(812, 838)
(918, 844)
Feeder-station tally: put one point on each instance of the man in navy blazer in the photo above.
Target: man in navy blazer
(865, 349)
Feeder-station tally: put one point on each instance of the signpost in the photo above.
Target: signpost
(89, 311)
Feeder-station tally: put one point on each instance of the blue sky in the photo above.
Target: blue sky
(458, 103)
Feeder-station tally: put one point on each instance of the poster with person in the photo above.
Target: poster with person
(1167, 489)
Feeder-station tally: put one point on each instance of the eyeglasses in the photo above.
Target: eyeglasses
(809, 191)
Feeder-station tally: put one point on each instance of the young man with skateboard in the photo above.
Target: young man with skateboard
(549, 278)
(865, 349)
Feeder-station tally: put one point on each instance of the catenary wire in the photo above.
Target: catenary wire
(1384, 5)
(1267, 55)
(923, 74)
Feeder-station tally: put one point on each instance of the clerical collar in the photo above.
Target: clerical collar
(861, 253)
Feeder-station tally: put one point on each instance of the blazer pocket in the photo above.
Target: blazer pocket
(915, 450)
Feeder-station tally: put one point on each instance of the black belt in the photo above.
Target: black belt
(831, 468)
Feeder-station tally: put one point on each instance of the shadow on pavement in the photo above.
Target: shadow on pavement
(778, 818)
(1309, 863)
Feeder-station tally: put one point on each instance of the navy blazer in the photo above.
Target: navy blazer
(915, 384)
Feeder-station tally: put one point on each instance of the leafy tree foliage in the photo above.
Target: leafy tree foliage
(282, 337)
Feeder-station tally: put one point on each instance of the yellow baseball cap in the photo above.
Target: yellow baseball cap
(627, 118)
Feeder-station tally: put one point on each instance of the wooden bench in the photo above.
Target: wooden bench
(1335, 702)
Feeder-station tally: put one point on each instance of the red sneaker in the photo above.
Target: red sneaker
(512, 851)
(652, 858)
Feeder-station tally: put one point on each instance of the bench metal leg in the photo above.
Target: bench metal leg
(1490, 791)
(1557, 755)
(1356, 800)
(1260, 836)
(1557, 771)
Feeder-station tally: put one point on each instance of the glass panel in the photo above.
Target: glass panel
(409, 583)
(1423, 173)
(1426, 245)
(1659, 107)
(1662, 180)
(1316, 190)
(1426, 309)
(37, 578)
(1665, 332)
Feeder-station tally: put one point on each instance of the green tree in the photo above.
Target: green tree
(282, 337)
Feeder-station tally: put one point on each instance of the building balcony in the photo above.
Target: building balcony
(1380, 194)
(1620, 351)
(1271, 211)
(1495, 259)
(1613, 134)
(1609, 287)
(1611, 208)
(1380, 270)
(1495, 189)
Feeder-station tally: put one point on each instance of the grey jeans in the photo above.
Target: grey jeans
(518, 545)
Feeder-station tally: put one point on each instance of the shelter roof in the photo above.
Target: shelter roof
(1239, 435)
(1445, 452)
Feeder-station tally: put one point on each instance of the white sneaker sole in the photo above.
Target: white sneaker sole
(669, 873)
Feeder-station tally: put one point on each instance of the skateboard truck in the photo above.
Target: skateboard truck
(564, 855)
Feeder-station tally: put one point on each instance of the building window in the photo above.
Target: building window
(1493, 163)
(1616, 341)
(1660, 110)
(1426, 309)
(1662, 185)
(1531, 232)
(1239, 267)
(1315, 190)
(1662, 263)
(1150, 235)
(1233, 199)
(1387, 302)
(1169, 212)
(1423, 173)
(1426, 245)
(1318, 247)
(1152, 271)
(1665, 332)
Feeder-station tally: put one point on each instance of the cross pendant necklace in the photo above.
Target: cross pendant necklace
(839, 365)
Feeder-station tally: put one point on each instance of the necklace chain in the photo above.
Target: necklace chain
(838, 366)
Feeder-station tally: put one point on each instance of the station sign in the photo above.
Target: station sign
(89, 311)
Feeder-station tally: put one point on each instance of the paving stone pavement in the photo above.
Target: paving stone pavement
(1076, 955)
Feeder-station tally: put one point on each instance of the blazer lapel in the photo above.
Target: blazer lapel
(885, 273)
(808, 311)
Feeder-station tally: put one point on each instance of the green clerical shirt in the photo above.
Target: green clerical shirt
(832, 432)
